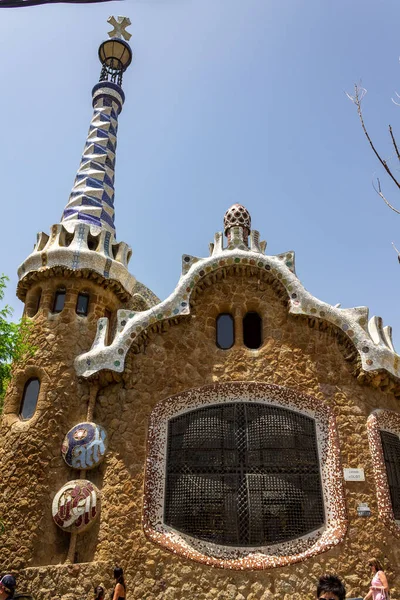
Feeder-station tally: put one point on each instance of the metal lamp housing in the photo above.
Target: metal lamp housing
(115, 54)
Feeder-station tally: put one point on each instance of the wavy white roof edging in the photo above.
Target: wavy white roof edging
(372, 340)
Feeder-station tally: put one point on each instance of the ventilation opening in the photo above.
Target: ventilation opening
(92, 242)
(115, 250)
(252, 330)
(65, 238)
(29, 399)
(59, 301)
(225, 331)
(82, 304)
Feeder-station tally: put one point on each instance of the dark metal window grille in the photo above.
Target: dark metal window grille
(252, 330)
(391, 452)
(225, 331)
(29, 399)
(243, 474)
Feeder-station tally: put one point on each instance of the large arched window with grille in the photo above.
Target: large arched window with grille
(243, 474)
(238, 476)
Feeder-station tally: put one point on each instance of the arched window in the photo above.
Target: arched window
(252, 330)
(59, 301)
(29, 399)
(243, 474)
(225, 331)
(82, 304)
(391, 453)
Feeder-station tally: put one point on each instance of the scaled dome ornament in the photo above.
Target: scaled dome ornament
(237, 216)
(84, 446)
(76, 506)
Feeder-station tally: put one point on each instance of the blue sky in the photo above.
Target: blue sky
(226, 101)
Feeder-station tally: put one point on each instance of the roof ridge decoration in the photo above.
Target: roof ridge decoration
(372, 341)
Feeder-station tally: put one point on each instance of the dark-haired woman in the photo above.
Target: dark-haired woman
(119, 592)
(99, 593)
(379, 589)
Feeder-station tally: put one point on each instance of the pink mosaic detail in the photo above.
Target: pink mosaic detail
(383, 420)
(225, 557)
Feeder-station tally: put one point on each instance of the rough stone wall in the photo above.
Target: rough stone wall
(31, 466)
(182, 357)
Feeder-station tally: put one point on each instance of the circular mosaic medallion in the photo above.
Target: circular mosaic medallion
(76, 505)
(84, 446)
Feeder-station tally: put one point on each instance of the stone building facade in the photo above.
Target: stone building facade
(201, 442)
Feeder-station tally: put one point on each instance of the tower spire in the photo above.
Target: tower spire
(92, 197)
(84, 239)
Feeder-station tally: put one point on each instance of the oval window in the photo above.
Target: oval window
(29, 399)
(225, 331)
(252, 330)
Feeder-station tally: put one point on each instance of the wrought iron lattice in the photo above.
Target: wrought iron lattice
(391, 452)
(112, 73)
(243, 474)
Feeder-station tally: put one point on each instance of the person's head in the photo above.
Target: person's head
(330, 587)
(375, 565)
(7, 585)
(99, 592)
(119, 575)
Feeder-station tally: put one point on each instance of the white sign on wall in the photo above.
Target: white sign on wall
(354, 474)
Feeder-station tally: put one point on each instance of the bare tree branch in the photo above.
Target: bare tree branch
(394, 141)
(398, 253)
(379, 192)
(357, 101)
(394, 101)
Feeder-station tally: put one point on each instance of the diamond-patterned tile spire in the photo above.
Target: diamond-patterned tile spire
(92, 196)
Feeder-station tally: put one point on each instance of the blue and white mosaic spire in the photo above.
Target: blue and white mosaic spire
(84, 239)
(92, 197)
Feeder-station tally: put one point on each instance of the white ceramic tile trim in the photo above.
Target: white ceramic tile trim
(372, 341)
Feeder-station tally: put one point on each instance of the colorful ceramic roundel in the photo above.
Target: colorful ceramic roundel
(76, 505)
(84, 446)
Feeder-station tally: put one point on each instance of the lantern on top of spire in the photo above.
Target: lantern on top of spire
(115, 54)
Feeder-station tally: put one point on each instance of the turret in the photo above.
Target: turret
(83, 244)
(76, 274)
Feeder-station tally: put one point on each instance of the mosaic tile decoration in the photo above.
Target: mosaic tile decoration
(92, 197)
(84, 446)
(383, 420)
(371, 340)
(85, 238)
(76, 250)
(76, 506)
(245, 558)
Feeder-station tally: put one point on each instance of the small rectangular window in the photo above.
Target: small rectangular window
(59, 301)
(82, 304)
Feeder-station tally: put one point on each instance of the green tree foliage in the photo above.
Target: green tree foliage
(14, 342)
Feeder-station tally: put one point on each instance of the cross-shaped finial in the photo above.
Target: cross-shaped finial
(119, 27)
